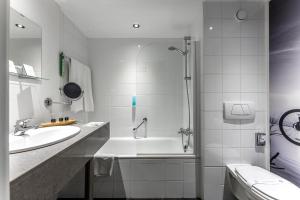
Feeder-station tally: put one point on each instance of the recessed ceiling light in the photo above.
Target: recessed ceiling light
(136, 25)
(211, 28)
(20, 26)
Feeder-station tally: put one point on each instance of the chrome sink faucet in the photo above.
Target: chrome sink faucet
(22, 126)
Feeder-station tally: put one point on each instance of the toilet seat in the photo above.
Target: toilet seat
(260, 184)
(282, 191)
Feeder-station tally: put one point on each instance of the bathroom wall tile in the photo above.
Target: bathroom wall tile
(254, 9)
(261, 47)
(212, 157)
(249, 65)
(243, 78)
(123, 73)
(213, 120)
(249, 46)
(262, 63)
(213, 175)
(249, 83)
(262, 101)
(212, 64)
(212, 10)
(120, 100)
(231, 96)
(259, 123)
(231, 138)
(212, 46)
(231, 46)
(231, 28)
(248, 156)
(117, 131)
(174, 189)
(213, 83)
(229, 9)
(122, 89)
(231, 65)
(261, 160)
(213, 192)
(262, 29)
(249, 28)
(262, 83)
(121, 116)
(248, 138)
(231, 156)
(212, 28)
(253, 97)
(231, 83)
(213, 139)
(213, 101)
(231, 124)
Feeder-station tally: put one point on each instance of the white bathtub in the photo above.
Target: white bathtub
(123, 147)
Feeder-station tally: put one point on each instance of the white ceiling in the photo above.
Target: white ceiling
(114, 18)
(32, 30)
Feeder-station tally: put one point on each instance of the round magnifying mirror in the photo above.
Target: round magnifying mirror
(72, 91)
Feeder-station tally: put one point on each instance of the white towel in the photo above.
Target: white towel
(103, 166)
(81, 74)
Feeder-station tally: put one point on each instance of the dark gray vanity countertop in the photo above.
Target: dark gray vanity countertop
(22, 163)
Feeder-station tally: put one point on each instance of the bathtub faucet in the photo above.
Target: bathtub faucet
(186, 131)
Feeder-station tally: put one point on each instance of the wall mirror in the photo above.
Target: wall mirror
(25, 47)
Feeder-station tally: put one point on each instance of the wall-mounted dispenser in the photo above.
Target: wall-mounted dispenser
(260, 139)
(133, 108)
(239, 110)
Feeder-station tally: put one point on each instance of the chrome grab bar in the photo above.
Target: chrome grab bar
(144, 120)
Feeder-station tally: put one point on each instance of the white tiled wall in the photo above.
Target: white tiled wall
(149, 178)
(234, 69)
(146, 68)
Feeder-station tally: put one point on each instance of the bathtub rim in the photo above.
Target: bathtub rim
(188, 155)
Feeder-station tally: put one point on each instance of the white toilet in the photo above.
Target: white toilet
(248, 182)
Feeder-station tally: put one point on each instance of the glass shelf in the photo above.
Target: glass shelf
(23, 76)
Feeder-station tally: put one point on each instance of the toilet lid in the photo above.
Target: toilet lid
(284, 190)
(265, 185)
(252, 174)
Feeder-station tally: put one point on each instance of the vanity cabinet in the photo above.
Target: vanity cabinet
(48, 178)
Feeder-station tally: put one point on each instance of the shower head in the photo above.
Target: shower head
(178, 50)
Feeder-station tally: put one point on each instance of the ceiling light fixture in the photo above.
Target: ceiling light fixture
(136, 25)
(20, 26)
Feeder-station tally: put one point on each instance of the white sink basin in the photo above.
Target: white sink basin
(41, 137)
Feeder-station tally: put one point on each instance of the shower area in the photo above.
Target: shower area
(151, 96)
(164, 95)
